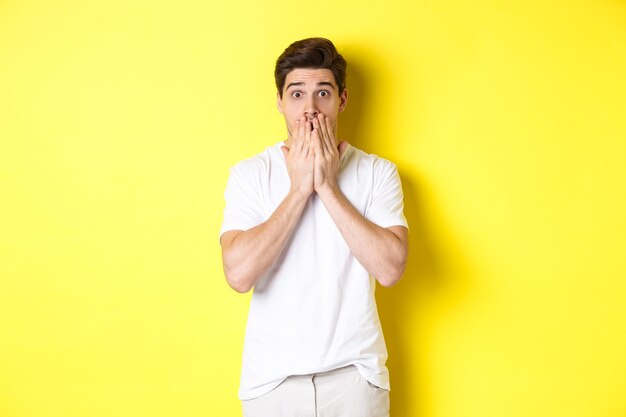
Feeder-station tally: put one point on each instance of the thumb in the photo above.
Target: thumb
(342, 147)
(285, 151)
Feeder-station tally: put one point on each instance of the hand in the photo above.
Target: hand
(327, 154)
(300, 159)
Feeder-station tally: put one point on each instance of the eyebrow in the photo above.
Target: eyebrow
(319, 84)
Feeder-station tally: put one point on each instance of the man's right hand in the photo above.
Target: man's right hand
(248, 254)
(300, 158)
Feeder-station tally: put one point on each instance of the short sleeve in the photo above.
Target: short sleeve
(243, 209)
(386, 207)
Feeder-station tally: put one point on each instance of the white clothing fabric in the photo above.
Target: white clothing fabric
(314, 310)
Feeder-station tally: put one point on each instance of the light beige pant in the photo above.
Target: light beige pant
(342, 392)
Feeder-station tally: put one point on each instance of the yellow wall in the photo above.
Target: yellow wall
(119, 121)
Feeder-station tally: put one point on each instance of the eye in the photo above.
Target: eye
(323, 93)
(296, 94)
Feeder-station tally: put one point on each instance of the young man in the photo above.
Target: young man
(311, 223)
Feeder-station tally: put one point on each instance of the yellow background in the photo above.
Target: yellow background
(119, 121)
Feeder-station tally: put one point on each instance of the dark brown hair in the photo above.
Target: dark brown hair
(314, 53)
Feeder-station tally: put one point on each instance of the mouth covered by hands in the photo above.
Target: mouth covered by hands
(313, 160)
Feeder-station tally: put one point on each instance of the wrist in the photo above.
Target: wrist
(300, 193)
(328, 191)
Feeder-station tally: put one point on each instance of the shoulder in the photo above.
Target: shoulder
(258, 163)
(377, 164)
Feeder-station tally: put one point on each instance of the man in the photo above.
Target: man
(309, 223)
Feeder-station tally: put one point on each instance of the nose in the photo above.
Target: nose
(310, 110)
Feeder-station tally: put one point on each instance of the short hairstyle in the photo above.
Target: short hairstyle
(314, 53)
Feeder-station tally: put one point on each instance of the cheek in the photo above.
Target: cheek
(292, 115)
(330, 108)
(332, 120)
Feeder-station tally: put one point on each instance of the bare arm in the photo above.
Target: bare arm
(381, 251)
(247, 255)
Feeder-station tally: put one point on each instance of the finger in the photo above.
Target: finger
(317, 141)
(285, 151)
(293, 133)
(307, 130)
(308, 138)
(300, 139)
(331, 132)
(323, 127)
(302, 126)
(317, 128)
(324, 137)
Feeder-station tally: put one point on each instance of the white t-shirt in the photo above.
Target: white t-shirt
(314, 310)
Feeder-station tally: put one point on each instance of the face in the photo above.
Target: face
(308, 92)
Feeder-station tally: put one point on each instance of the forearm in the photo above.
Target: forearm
(252, 252)
(380, 251)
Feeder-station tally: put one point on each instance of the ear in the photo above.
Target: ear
(343, 100)
(279, 103)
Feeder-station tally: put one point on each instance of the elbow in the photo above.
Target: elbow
(394, 269)
(389, 280)
(240, 286)
(241, 289)
(236, 276)
(237, 282)
(391, 275)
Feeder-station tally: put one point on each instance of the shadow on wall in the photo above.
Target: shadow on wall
(400, 307)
